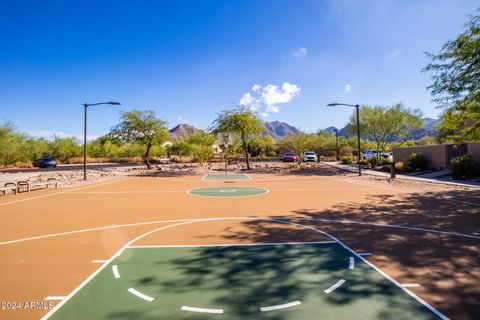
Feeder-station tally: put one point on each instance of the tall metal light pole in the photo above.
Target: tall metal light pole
(85, 106)
(358, 130)
(336, 136)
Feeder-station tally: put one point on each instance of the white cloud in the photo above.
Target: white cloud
(266, 100)
(247, 99)
(256, 88)
(300, 53)
(392, 56)
(49, 135)
(348, 88)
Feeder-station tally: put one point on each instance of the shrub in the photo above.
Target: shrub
(346, 160)
(202, 154)
(373, 162)
(417, 161)
(400, 166)
(465, 167)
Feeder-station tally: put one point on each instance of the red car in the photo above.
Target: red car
(289, 157)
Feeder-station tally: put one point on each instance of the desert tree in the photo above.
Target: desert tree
(142, 127)
(241, 121)
(383, 124)
(456, 80)
(181, 148)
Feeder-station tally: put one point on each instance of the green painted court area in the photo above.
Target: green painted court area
(226, 192)
(286, 281)
(227, 177)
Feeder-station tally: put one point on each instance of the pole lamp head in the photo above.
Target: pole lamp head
(332, 104)
(113, 103)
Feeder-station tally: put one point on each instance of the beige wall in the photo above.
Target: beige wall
(435, 154)
(474, 150)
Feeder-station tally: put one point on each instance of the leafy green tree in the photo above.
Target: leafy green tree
(456, 80)
(302, 142)
(263, 145)
(142, 127)
(242, 121)
(181, 148)
(65, 148)
(387, 123)
(202, 138)
(201, 153)
(37, 148)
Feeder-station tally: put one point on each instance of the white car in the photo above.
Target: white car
(370, 153)
(310, 156)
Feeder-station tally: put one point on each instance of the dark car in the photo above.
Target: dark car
(45, 163)
(289, 157)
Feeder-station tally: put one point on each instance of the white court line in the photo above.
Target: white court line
(280, 306)
(365, 254)
(63, 192)
(392, 226)
(99, 261)
(233, 244)
(115, 272)
(223, 174)
(410, 285)
(229, 218)
(81, 285)
(352, 263)
(410, 293)
(202, 310)
(140, 295)
(403, 191)
(335, 286)
(182, 191)
(129, 191)
(54, 298)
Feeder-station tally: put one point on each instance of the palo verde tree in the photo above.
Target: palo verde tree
(202, 146)
(181, 148)
(241, 121)
(456, 80)
(386, 123)
(143, 127)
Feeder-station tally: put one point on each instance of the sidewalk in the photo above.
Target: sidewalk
(403, 177)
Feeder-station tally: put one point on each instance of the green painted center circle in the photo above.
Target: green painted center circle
(227, 192)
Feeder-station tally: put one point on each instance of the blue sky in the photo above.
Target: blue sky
(187, 60)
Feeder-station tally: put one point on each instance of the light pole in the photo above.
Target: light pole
(358, 130)
(85, 106)
(336, 136)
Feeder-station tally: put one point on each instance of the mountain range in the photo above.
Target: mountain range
(427, 130)
(279, 130)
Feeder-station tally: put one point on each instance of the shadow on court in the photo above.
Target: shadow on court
(242, 279)
(446, 266)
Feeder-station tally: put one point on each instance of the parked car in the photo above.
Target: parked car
(45, 162)
(289, 157)
(310, 156)
(371, 153)
(388, 155)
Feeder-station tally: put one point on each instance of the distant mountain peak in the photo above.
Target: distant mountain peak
(278, 129)
(182, 130)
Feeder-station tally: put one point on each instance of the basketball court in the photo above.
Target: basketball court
(236, 246)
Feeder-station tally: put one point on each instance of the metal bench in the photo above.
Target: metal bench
(26, 186)
(9, 186)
